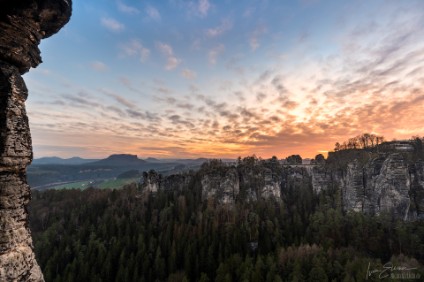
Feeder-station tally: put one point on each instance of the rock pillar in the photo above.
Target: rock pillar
(23, 23)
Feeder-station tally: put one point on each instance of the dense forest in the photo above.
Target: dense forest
(133, 235)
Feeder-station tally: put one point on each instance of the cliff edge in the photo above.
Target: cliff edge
(23, 24)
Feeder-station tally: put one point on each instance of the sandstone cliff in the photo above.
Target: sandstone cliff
(389, 182)
(386, 182)
(22, 25)
(225, 184)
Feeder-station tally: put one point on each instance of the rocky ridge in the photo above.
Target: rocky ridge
(22, 26)
(225, 185)
(386, 183)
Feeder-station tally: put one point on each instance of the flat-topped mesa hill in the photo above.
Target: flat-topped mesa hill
(387, 179)
(23, 23)
(119, 159)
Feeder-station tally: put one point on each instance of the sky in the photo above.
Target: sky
(227, 78)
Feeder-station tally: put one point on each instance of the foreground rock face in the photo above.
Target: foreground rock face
(22, 25)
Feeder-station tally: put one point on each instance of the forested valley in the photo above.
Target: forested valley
(134, 235)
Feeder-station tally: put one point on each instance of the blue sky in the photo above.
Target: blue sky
(208, 78)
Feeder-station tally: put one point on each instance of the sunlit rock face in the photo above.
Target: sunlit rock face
(23, 23)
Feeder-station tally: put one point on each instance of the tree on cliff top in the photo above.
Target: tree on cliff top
(294, 160)
(364, 141)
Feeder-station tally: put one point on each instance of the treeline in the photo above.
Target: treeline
(367, 146)
(129, 235)
(363, 141)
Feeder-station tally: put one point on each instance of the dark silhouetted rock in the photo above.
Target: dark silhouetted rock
(23, 23)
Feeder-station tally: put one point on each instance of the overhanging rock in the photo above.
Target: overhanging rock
(23, 23)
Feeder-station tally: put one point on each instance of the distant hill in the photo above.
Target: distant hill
(119, 160)
(48, 172)
(60, 161)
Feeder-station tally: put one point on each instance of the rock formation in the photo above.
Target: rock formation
(389, 182)
(224, 185)
(153, 181)
(23, 23)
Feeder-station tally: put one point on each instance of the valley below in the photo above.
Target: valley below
(249, 219)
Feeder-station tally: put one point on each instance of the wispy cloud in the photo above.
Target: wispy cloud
(203, 7)
(254, 36)
(214, 53)
(168, 52)
(219, 30)
(126, 9)
(81, 100)
(99, 66)
(112, 24)
(121, 100)
(189, 74)
(135, 48)
(153, 13)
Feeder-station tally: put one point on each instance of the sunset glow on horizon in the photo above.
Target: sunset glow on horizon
(222, 79)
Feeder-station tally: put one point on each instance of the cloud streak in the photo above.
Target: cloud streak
(219, 30)
(203, 7)
(215, 52)
(99, 66)
(127, 9)
(112, 24)
(188, 74)
(168, 52)
(134, 48)
(153, 13)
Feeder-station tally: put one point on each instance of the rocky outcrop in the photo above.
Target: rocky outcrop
(352, 186)
(224, 185)
(390, 182)
(386, 184)
(272, 185)
(153, 181)
(321, 177)
(392, 187)
(417, 190)
(22, 25)
(225, 188)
